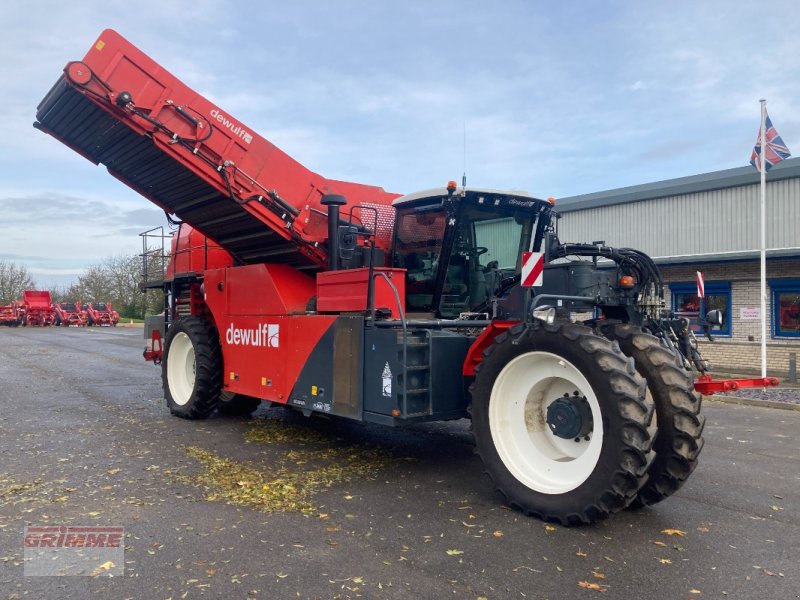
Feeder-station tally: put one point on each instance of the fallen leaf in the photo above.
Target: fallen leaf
(768, 572)
(106, 566)
(455, 552)
(498, 534)
(580, 553)
(549, 528)
(660, 544)
(665, 561)
(693, 591)
(598, 575)
(597, 587)
(674, 532)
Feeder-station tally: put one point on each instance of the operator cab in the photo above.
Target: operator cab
(462, 248)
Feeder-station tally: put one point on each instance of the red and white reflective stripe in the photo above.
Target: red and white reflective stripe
(701, 285)
(532, 269)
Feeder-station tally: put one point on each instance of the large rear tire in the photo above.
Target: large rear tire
(191, 371)
(680, 424)
(237, 405)
(560, 419)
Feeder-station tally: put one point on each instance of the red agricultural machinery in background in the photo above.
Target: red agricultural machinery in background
(11, 314)
(69, 314)
(38, 309)
(343, 299)
(101, 314)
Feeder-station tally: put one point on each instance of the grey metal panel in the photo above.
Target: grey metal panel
(714, 222)
(729, 178)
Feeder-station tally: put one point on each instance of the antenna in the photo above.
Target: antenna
(464, 177)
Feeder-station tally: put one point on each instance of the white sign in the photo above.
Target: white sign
(750, 313)
(386, 377)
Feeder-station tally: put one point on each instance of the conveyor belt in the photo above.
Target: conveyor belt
(137, 161)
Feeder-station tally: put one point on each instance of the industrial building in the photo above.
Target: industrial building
(711, 223)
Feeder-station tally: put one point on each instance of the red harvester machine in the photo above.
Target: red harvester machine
(38, 309)
(340, 298)
(10, 314)
(101, 314)
(69, 314)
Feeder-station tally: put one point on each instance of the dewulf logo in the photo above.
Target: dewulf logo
(235, 129)
(266, 335)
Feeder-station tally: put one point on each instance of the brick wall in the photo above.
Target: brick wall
(741, 352)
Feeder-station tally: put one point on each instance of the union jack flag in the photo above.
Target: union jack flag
(776, 149)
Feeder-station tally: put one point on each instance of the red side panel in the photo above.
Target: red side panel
(254, 290)
(346, 290)
(265, 335)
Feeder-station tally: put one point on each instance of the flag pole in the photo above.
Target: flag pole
(762, 168)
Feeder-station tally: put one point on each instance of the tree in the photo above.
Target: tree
(116, 280)
(14, 279)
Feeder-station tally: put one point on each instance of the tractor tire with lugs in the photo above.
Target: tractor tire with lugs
(560, 419)
(191, 371)
(680, 424)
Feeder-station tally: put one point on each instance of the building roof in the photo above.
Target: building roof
(728, 178)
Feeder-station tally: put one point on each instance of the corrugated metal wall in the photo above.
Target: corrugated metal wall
(712, 222)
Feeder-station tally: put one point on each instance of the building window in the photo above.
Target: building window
(686, 302)
(785, 307)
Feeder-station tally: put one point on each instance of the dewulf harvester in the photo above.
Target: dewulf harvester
(340, 298)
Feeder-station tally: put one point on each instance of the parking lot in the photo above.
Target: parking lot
(283, 506)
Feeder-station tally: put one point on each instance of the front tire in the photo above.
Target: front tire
(191, 371)
(680, 424)
(537, 387)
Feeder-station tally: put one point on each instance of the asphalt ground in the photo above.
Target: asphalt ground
(281, 506)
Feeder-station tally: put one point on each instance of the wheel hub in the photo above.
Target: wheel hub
(570, 417)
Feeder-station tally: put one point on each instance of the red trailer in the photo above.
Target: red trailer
(38, 309)
(341, 298)
(10, 315)
(69, 314)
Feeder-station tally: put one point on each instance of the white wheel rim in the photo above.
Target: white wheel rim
(528, 448)
(181, 368)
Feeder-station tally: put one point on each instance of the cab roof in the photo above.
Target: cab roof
(437, 193)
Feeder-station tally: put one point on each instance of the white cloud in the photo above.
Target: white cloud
(557, 100)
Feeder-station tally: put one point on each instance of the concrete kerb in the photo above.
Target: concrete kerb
(751, 402)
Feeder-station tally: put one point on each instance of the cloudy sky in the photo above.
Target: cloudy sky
(557, 98)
